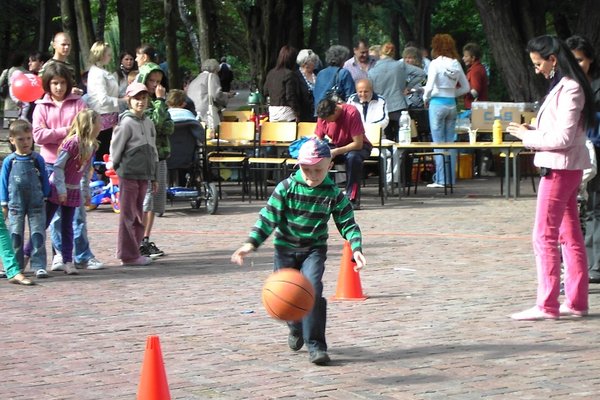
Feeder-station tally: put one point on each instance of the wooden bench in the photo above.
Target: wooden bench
(8, 116)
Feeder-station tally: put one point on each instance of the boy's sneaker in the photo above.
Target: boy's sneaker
(295, 342)
(57, 263)
(41, 274)
(149, 249)
(70, 269)
(92, 263)
(319, 357)
(137, 262)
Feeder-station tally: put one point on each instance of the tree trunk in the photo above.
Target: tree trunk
(171, 23)
(589, 15)
(69, 25)
(270, 24)
(191, 31)
(423, 22)
(327, 24)
(314, 27)
(395, 23)
(48, 27)
(130, 35)
(344, 8)
(100, 24)
(85, 30)
(203, 29)
(501, 25)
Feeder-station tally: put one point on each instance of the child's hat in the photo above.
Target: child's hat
(313, 151)
(135, 88)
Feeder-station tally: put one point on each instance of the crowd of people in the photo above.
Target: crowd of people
(131, 115)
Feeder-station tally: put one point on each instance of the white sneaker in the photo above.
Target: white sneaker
(435, 185)
(94, 263)
(57, 263)
(41, 274)
(70, 269)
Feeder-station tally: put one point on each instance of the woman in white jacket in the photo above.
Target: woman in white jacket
(103, 94)
(445, 82)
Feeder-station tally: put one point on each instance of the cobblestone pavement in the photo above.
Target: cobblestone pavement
(443, 274)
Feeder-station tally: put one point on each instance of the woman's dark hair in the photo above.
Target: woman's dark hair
(582, 44)
(121, 72)
(568, 66)
(287, 58)
(148, 50)
(39, 56)
(57, 69)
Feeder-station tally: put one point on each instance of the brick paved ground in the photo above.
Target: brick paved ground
(443, 275)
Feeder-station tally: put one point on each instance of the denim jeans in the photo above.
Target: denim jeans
(557, 221)
(311, 262)
(26, 199)
(82, 252)
(442, 121)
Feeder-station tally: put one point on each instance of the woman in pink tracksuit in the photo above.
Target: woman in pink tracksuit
(559, 138)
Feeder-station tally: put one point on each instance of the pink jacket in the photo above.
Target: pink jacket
(51, 123)
(559, 135)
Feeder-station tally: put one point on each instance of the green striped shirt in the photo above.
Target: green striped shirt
(299, 214)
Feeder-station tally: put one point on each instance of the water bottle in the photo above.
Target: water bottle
(497, 132)
(404, 132)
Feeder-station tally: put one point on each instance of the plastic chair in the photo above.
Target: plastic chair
(231, 135)
(273, 135)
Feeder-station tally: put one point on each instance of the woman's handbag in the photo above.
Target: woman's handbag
(336, 93)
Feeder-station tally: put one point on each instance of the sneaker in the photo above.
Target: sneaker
(2, 273)
(94, 263)
(355, 204)
(533, 314)
(435, 185)
(140, 261)
(57, 263)
(154, 251)
(41, 274)
(70, 269)
(145, 249)
(319, 357)
(149, 249)
(566, 311)
(295, 342)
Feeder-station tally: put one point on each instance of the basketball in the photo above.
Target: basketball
(287, 295)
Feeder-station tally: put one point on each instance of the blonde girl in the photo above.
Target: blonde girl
(74, 160)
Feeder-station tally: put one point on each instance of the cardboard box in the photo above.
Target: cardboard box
(483, 113)
(527, 116)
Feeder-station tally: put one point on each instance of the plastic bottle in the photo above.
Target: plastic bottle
(497, 132)
(404, 133)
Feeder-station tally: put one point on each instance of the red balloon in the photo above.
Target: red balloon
(27, 87)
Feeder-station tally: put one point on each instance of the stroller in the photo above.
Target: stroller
(187, 168)
(101, 192)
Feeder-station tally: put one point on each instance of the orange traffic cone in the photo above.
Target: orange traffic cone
(153, 382)
(348, 287)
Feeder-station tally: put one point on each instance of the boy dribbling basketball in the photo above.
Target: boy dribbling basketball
(298, 212)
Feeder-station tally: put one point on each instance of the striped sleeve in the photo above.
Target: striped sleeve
(343, 216)
(270, 216)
